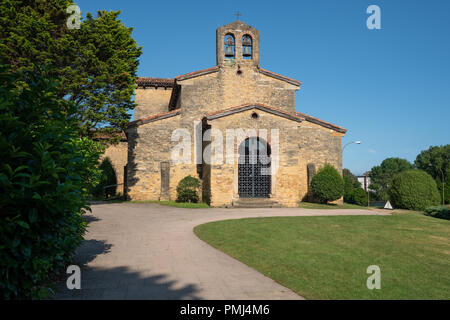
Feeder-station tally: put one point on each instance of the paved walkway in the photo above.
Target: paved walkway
(149, 251)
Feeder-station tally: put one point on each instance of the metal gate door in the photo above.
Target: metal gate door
(254, 179)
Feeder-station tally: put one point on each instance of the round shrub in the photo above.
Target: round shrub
(358, 196)
(327, 184)
(413, 190)
(187, 190)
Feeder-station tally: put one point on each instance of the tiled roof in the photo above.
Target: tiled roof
(249, 106)
(322, 123)
(197, 73)
(280, 77)
(103, 135)
(154, 82)
(155, 117)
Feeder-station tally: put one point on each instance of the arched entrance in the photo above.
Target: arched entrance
(254, 176)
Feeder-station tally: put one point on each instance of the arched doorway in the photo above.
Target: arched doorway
(254, 175)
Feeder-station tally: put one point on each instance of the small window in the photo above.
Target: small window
(255, 115)
(247, 47)
(229, 46)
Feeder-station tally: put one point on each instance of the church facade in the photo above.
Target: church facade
(239, 131)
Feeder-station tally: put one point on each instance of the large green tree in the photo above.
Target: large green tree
(381, 176)
(95, 65)
(436, 162)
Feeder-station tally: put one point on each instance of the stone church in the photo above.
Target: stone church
(236, 95)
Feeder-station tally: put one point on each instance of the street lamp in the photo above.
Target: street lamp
(355, 142)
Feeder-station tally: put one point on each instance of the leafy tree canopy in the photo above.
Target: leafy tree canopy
(381, 176)
(436, 162)
(95, 65)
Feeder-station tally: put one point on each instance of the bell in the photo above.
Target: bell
(229, 41)
(247, 52)
(229, 52)
(247, 41)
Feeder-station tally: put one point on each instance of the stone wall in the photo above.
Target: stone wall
(151, 100)
(118, 155)
(228, 88)
(149, 146)
(299, 144)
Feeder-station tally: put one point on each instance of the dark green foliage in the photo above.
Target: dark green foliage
(108, 178)
(436, 162)
(96, 65)
(88, 169)
(188, 190)
(413, 190)
(327, 184)
(42, 195)
(358, 196)
(440, 212)
(381, 176)
(350, 184)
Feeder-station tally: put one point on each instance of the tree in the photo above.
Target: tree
(96, 65)
(381, 176)
(436, 162)
(108, 178)
(350, 184)
(327, 184)
(413, 190)
(358, 197)
(42, 194)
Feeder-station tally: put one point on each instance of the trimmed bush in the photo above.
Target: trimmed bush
(359, 197)
(187, 190)
(413, 190)
(440, 212)
(327, 184)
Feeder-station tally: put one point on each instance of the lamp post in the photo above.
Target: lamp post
(348, 143)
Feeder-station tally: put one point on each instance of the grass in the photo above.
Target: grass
(311, 205)
(327, 257)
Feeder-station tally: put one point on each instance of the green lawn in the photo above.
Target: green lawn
(327, 257)
(311, 205)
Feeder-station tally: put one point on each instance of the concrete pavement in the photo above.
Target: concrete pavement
(149, 251)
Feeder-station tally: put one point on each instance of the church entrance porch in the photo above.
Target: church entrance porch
(254, 170)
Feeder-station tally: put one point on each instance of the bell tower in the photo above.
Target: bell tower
(237, 43)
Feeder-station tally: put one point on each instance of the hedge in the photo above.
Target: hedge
(413, 190)
(327, 184)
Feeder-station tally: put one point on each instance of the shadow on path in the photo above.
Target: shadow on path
(122, 283)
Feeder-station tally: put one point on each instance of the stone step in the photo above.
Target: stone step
(256, 203)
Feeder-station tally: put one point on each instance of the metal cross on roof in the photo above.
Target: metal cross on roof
(237, 14)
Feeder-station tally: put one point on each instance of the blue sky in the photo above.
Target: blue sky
(390, 88)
